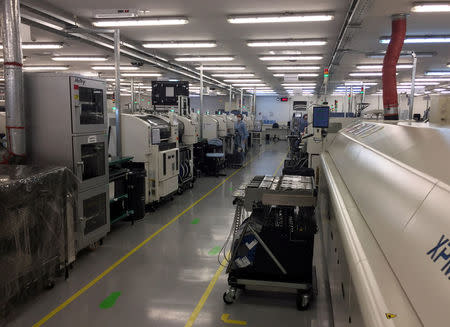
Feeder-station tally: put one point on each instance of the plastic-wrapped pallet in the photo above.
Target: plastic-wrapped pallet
(37, 229)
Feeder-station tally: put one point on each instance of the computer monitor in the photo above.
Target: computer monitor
(321, 117)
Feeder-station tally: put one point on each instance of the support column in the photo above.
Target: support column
(413, 86)
(117, 92)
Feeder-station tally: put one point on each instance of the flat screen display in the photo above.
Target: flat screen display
(321, 117)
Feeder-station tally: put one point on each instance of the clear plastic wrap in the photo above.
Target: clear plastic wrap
(36, 229)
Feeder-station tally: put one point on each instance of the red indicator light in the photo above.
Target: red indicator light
(284, 99)
(75, 87)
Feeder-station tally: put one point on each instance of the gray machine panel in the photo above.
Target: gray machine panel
(88, 105)
(93, 216)
(91, 159)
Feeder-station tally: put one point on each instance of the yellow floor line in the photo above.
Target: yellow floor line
(213, 281)
(148, 239)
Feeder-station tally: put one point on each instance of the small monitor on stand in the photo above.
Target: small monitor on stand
(321, 117)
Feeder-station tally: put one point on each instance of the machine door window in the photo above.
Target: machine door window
(94, 211)
(93, 158)
(91, 105)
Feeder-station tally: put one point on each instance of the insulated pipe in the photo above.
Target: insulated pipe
(390, 98)
(117, 92)
(413, 86)
(12, 54)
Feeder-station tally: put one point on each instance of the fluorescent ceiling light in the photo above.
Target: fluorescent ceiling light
(40, 45)
(300, 87)
(180, 45)
(222, 68)
(280, 18)
(124, 68)
(257, 88)
(368, 74)
(298, 75)
(286, 43)
(420, 83)
(380, 67)
(432, 79)
(242, 80)
(113, 79)
(79, 58)
(299, 84)
(378, 55)
(438, 73)
(89, 74)
(141, 74)
(294, 68)
(285, 58)
(145, 21)
(44, 68)
(448, 65)
(234, 75)
(249, 84)
(212, 58)
(421, 39)
(436, 7)
(359, 83)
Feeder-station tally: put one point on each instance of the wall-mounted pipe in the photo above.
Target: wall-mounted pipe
(390, 97)
(12, 54)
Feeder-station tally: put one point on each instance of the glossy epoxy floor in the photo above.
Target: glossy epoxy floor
(162, 282)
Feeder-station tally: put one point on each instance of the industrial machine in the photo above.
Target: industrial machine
(383, 203)
(274, 246)
(153, 139)
(2, 122)
(210, 127)
(222, 125)
(317, 143)
(67, 127)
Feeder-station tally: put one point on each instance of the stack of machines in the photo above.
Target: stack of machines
(211, 127)
(273, 247)
(77, 141)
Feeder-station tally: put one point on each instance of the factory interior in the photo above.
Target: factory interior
(220, 163)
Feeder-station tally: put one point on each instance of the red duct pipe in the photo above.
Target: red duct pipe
(390, 98)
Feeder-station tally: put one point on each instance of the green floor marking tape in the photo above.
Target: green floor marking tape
(110, 300)
(195, 221)
(214, 251)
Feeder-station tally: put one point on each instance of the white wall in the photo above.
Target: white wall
(213, 103)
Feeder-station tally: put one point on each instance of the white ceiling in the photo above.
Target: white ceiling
(207, 21)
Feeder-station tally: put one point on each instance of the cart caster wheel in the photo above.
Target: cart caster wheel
(49, 284)
(172, 198)
(303, 301)
(191, 185)
(180, 191)
(227, 298)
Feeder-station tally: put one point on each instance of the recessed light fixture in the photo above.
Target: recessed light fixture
(222, 68)
(418, 83)
(448, 65)
(366, 74)
(242, 80)
(280, 18)
(209, 58)
(286, 43)
(298, 75)
(432, 79)
(124, 68)
(293, 68)
(438, 73)
(179, 45)
(142, 74)
(380, 67)
(44, 68)
(350, 83)
(380, 55)
(298, 84)
(289, 58)
(79, 58)
(436, 7)
(257, 88)
(249, 84)
(145, 21)
(420, 39)
(40, 45)
(113, 79)
(234, 75)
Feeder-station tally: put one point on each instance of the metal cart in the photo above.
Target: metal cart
(280, 228)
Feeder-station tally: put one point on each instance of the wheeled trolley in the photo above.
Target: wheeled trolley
(273, 248)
